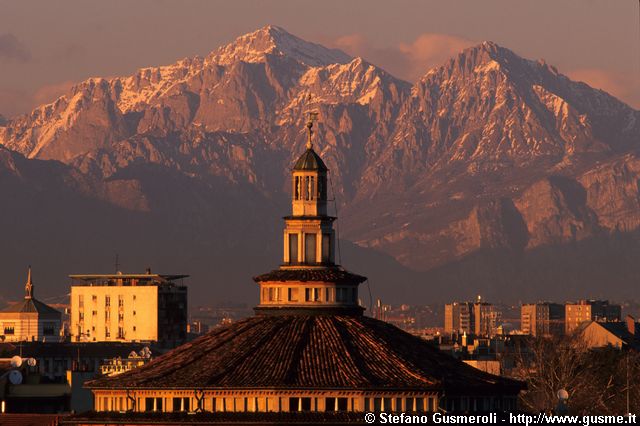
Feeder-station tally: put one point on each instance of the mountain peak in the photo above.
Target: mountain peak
(274, 40)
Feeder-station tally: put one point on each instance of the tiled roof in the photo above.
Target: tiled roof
(308, 352)
(310, 161)
(331, 275)
(30, 305)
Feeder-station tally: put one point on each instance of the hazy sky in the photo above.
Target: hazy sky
(46, 46)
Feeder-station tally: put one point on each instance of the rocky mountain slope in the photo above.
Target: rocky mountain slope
(488, 169)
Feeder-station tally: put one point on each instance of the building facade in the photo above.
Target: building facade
(590, 310)
(618, 334)
(459, 318)
(473, 318)
(487, 319)
(129, 308)
(30, 319)
(542, 319)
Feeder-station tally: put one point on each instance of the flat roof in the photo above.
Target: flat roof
(142, 277)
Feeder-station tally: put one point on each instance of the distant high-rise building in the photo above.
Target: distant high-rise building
(590, 310)
(477, 318)
(458, 317)
(30, 319)
(487, 318)
(129, 308)
(542, 319)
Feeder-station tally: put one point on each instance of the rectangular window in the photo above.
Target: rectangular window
(81, 300)
(343, 404)
(120, 300)
(48, 329)
(305, 404)
(299, 404)
(312, 294)
(293, 248)
(107, 301)
(296, 188)
(326, 247)
(409, 405)
(377, 404)
(336, 404)
(306, 188)
(182, 404)
(387, 404)
(310, 248)
(153, 404)
(292, 294)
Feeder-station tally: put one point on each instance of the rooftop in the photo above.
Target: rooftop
(331, 275)
(30, 305)
(308, 352)
(125, 279)
(310, 161)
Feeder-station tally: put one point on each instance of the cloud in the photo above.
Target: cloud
(409, 61)
(624, 86)
(14, 102)
(12, 49)
(49, 93)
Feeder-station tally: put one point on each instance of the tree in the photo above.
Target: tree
(596, 379)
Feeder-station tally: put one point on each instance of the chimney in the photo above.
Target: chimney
(631, 324)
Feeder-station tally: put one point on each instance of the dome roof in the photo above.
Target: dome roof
(308, 352)
(310, 161)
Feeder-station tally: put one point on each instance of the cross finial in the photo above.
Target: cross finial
(28, 287)
(313, 116)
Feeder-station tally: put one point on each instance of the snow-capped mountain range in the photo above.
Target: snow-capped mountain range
(486, 168)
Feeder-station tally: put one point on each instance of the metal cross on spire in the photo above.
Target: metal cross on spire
(312, 116)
